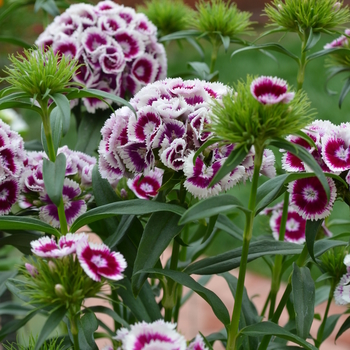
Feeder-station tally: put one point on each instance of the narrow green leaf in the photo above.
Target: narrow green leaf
(230, 260)
(99, 94)
(303, 288)
(270, 46)
(211, 298)
(233, 160)
(20, 104)
(54, 174)
(131, 207)
(325, 244)
(272, 31)
(345, 90)
(12, 308)
(126, 222)
(13, 96)
(206, 144)
(4, 276)
(159, 231)
(312, 40)
(20, 241)
(109, 312)
(56, 129)
(344, 327)
(269, 328)
(210, 227)
(50, 325)
(63, 105)
(14, 41)
(327, 52)
(307, 138)
(311, 230)
(87, 326)
(225, 41)
(33, 145)
(13, 6)
(183, 34)
(331, 322)
(26, 223)
(197, 47)
(306, 157)
(211, 206)
(225, 224)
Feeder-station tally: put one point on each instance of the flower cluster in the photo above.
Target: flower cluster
(76, 184)
(12, 155)
(156, 335)
(69, 271)
(332, 152)
(172, 122)
(342, 291)
(116, 46)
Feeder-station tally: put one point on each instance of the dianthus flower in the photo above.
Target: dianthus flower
(172, 122)
(76, 186)
(342, 291)
(116, 46)
(12, 155)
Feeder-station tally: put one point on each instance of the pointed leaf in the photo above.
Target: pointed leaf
(211, 206)
(345, 90)
(56, 129)
(109, 312)
(20, 104)
(323, 245)
(159, 231)
(87, 326)
(183, 34)
(63, 105)
(50, 325)
(344, 327)
(131, 207)
(211, 298)
(210, 227)
(331, 322)
(54, 174)
(312, 40)
(225, 224)
(270, 46)
(197, 47)
(311, 231)
(303, 288)
(20, 241)
(12, 308)
(225, 41)
(233, 160)
(232, 259)
(269, 328)
(325, 52)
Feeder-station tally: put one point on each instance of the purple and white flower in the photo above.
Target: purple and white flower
(309, 197)
(342, 41)
(117, 47)
(31, 269)
(197, 344)
(156, 335)
(98, 261)
(271, 90)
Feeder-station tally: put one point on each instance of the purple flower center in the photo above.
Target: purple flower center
(267, 87)
(144, 339)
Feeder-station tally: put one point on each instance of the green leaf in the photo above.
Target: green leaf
(211, 298)
(206, 144)
(14, 325)
(101, 95)
(306, 157)
(50, 325)
(159, 231)
(15, 41)
(110, 312)
(312, 40)
(26, 223)
(225, 41)
(225, 224)
(12, 308)
(272, 31)
(56, 129)
(89, 133)
(210, 227)
(20, 104)
(303, 289)
(345, 90)
(48, 5)
(63, 105)
(211, 206)
(202, 70)
(183, 34)
(269, 328)
(13, 6)
(131, 207)
(329, 327)
(197, 47)
(270, 46)
(20, 241)
(325, 244)
(232, 259)
(321, 294)
(233, 160)
(4, 276)
(33, 145)
(311, 231)
(54, 174)
(344, 327)
(87, 326)
(327, 52)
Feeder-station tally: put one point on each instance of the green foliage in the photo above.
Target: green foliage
(241, 119)
(53, 344)
(332, 262)
(169, 16)
(217, 17)
(300, 15)
(39, 73)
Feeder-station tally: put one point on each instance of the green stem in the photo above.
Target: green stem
(247, 235)
(319, 339)
(74, 331)
(276, 274)
(214, 56)
(62, 218)
(302, 65)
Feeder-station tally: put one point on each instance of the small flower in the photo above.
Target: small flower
(98, 261)
(309, 197)
(156, 335)
(31, 269)
(9, 194)
(46, 247)
(70, 240)
(339, 42)
(271, 90)
(197, 344)
(146, 186)
(342, 291)
(336, 153)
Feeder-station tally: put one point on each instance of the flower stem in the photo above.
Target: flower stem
(247, 235)
(277, 268)
(74, 331)
(302, 65)
(319, 339)
(214, 56)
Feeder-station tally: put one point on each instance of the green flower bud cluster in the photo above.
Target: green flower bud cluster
(301, 15)
(332, 262)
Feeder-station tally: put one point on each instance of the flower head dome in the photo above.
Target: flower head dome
(116, 46)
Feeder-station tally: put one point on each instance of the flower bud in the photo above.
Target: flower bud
(52, 266)
(336, 6)
(31, 269)
(60, 291)
(123, 193)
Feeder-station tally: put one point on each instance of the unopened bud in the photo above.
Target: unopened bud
(60, 291)
(87, 197)
(336, 6)
(52, 266)
(123, 193)
(31, 269)
(279, 6)
(37, 203)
